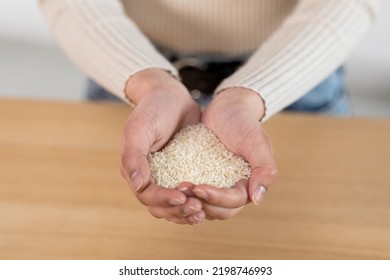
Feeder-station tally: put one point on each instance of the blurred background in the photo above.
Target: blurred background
(32, 66)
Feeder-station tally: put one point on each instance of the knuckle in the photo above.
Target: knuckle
(125, 159)
(273, 172)
(269, 173)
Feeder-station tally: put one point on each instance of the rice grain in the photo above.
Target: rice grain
(196, 155)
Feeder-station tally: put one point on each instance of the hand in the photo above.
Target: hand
(163, 107)
(234, 116)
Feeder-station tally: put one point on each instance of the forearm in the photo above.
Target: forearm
(99, 37)
(311, 43)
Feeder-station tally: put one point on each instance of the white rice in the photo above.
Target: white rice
(196, 155)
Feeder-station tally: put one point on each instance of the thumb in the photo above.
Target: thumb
(264, 169)
(135, 169)
(260, 182)
(135, 149)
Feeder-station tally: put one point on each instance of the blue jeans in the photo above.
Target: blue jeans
(329, 97)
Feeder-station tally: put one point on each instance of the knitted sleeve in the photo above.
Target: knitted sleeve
(310, 44)
(99, 38)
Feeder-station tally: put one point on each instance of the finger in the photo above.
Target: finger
(186, 188)
(194, 220)
(234, 197)
(191, 207)
(156, 196)
(218, 213)
(197, 218)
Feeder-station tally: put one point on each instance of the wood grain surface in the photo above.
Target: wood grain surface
(62, 196)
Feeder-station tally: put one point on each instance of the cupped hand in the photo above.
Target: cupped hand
(234, 116)
(164, 106)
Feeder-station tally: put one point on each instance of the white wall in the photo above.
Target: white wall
(21, 20)
(369, 69)
(31, 65)
(21, 23)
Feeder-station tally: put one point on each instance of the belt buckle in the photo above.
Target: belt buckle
(192, 62)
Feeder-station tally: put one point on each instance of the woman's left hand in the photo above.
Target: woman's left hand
(234, 116)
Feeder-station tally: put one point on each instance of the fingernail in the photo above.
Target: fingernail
(258, 195)
(184, 189)
(136, 180)
(197, 218)
(177, 201)
(201, 194)
(190, 210)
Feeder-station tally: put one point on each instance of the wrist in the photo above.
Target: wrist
(244, 96)
(149, 81)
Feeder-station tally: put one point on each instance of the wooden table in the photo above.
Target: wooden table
(62, 196)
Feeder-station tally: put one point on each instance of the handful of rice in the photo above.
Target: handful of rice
(196, 155)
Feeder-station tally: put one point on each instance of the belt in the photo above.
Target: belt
(201, 77)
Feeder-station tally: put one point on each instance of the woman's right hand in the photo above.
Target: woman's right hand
(164, 106)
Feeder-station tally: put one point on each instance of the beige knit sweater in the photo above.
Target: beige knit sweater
(294, 44)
